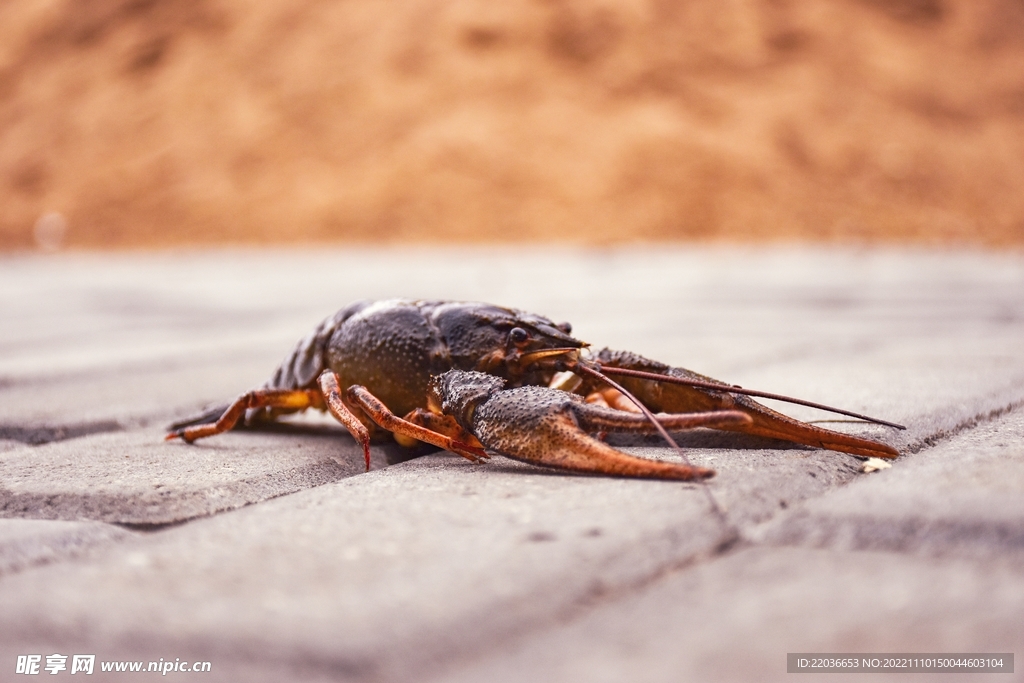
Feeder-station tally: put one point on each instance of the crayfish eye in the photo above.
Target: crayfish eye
(518, 336)
(565, 327)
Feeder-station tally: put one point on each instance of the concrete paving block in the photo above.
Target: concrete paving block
(964, 496)
(394, 572)
(29, 542)
(935, 396)
(142, 335)
(78, 312)
(9, 445)
(936, 391)
(48, 409)
(776, 305)
(138, 478)
(735, 619)
(401, 572)
(680, 305)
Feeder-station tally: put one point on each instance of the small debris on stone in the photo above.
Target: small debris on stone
(874, 464)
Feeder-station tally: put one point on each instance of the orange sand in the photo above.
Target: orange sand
(159, 122)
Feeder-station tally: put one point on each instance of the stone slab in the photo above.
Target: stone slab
(842, 327)
(102, 342)
(964, 496)
(936, 390)
(924, 557)
(138, 478)
(27, 542)
(9, 445)
(46, 409)
(950, 392)
(416, 568)
(735, 619)
(395, 572)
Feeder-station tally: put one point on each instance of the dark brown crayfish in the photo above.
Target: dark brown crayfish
(473, 377)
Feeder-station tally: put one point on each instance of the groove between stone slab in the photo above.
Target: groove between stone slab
(938, 437)
(41, 434)
(939, 537)
(108, 508)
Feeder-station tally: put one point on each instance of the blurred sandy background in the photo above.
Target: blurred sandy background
(158, 122)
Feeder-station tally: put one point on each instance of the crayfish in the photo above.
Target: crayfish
(472, 378)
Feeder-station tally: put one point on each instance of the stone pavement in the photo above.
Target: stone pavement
(273, 556)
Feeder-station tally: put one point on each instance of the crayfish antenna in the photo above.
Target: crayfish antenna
(715, 507)
(675, 390)
(700, 384)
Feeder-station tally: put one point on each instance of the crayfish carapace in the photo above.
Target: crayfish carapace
(473, 377)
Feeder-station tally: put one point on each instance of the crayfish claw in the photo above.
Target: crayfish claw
(541, 426)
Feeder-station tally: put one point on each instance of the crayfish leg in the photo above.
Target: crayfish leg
(435, 422)
(286, 399)
(330, 385)
(612, 398)
(383, 417)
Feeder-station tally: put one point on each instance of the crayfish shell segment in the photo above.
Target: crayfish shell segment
(459, 392)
